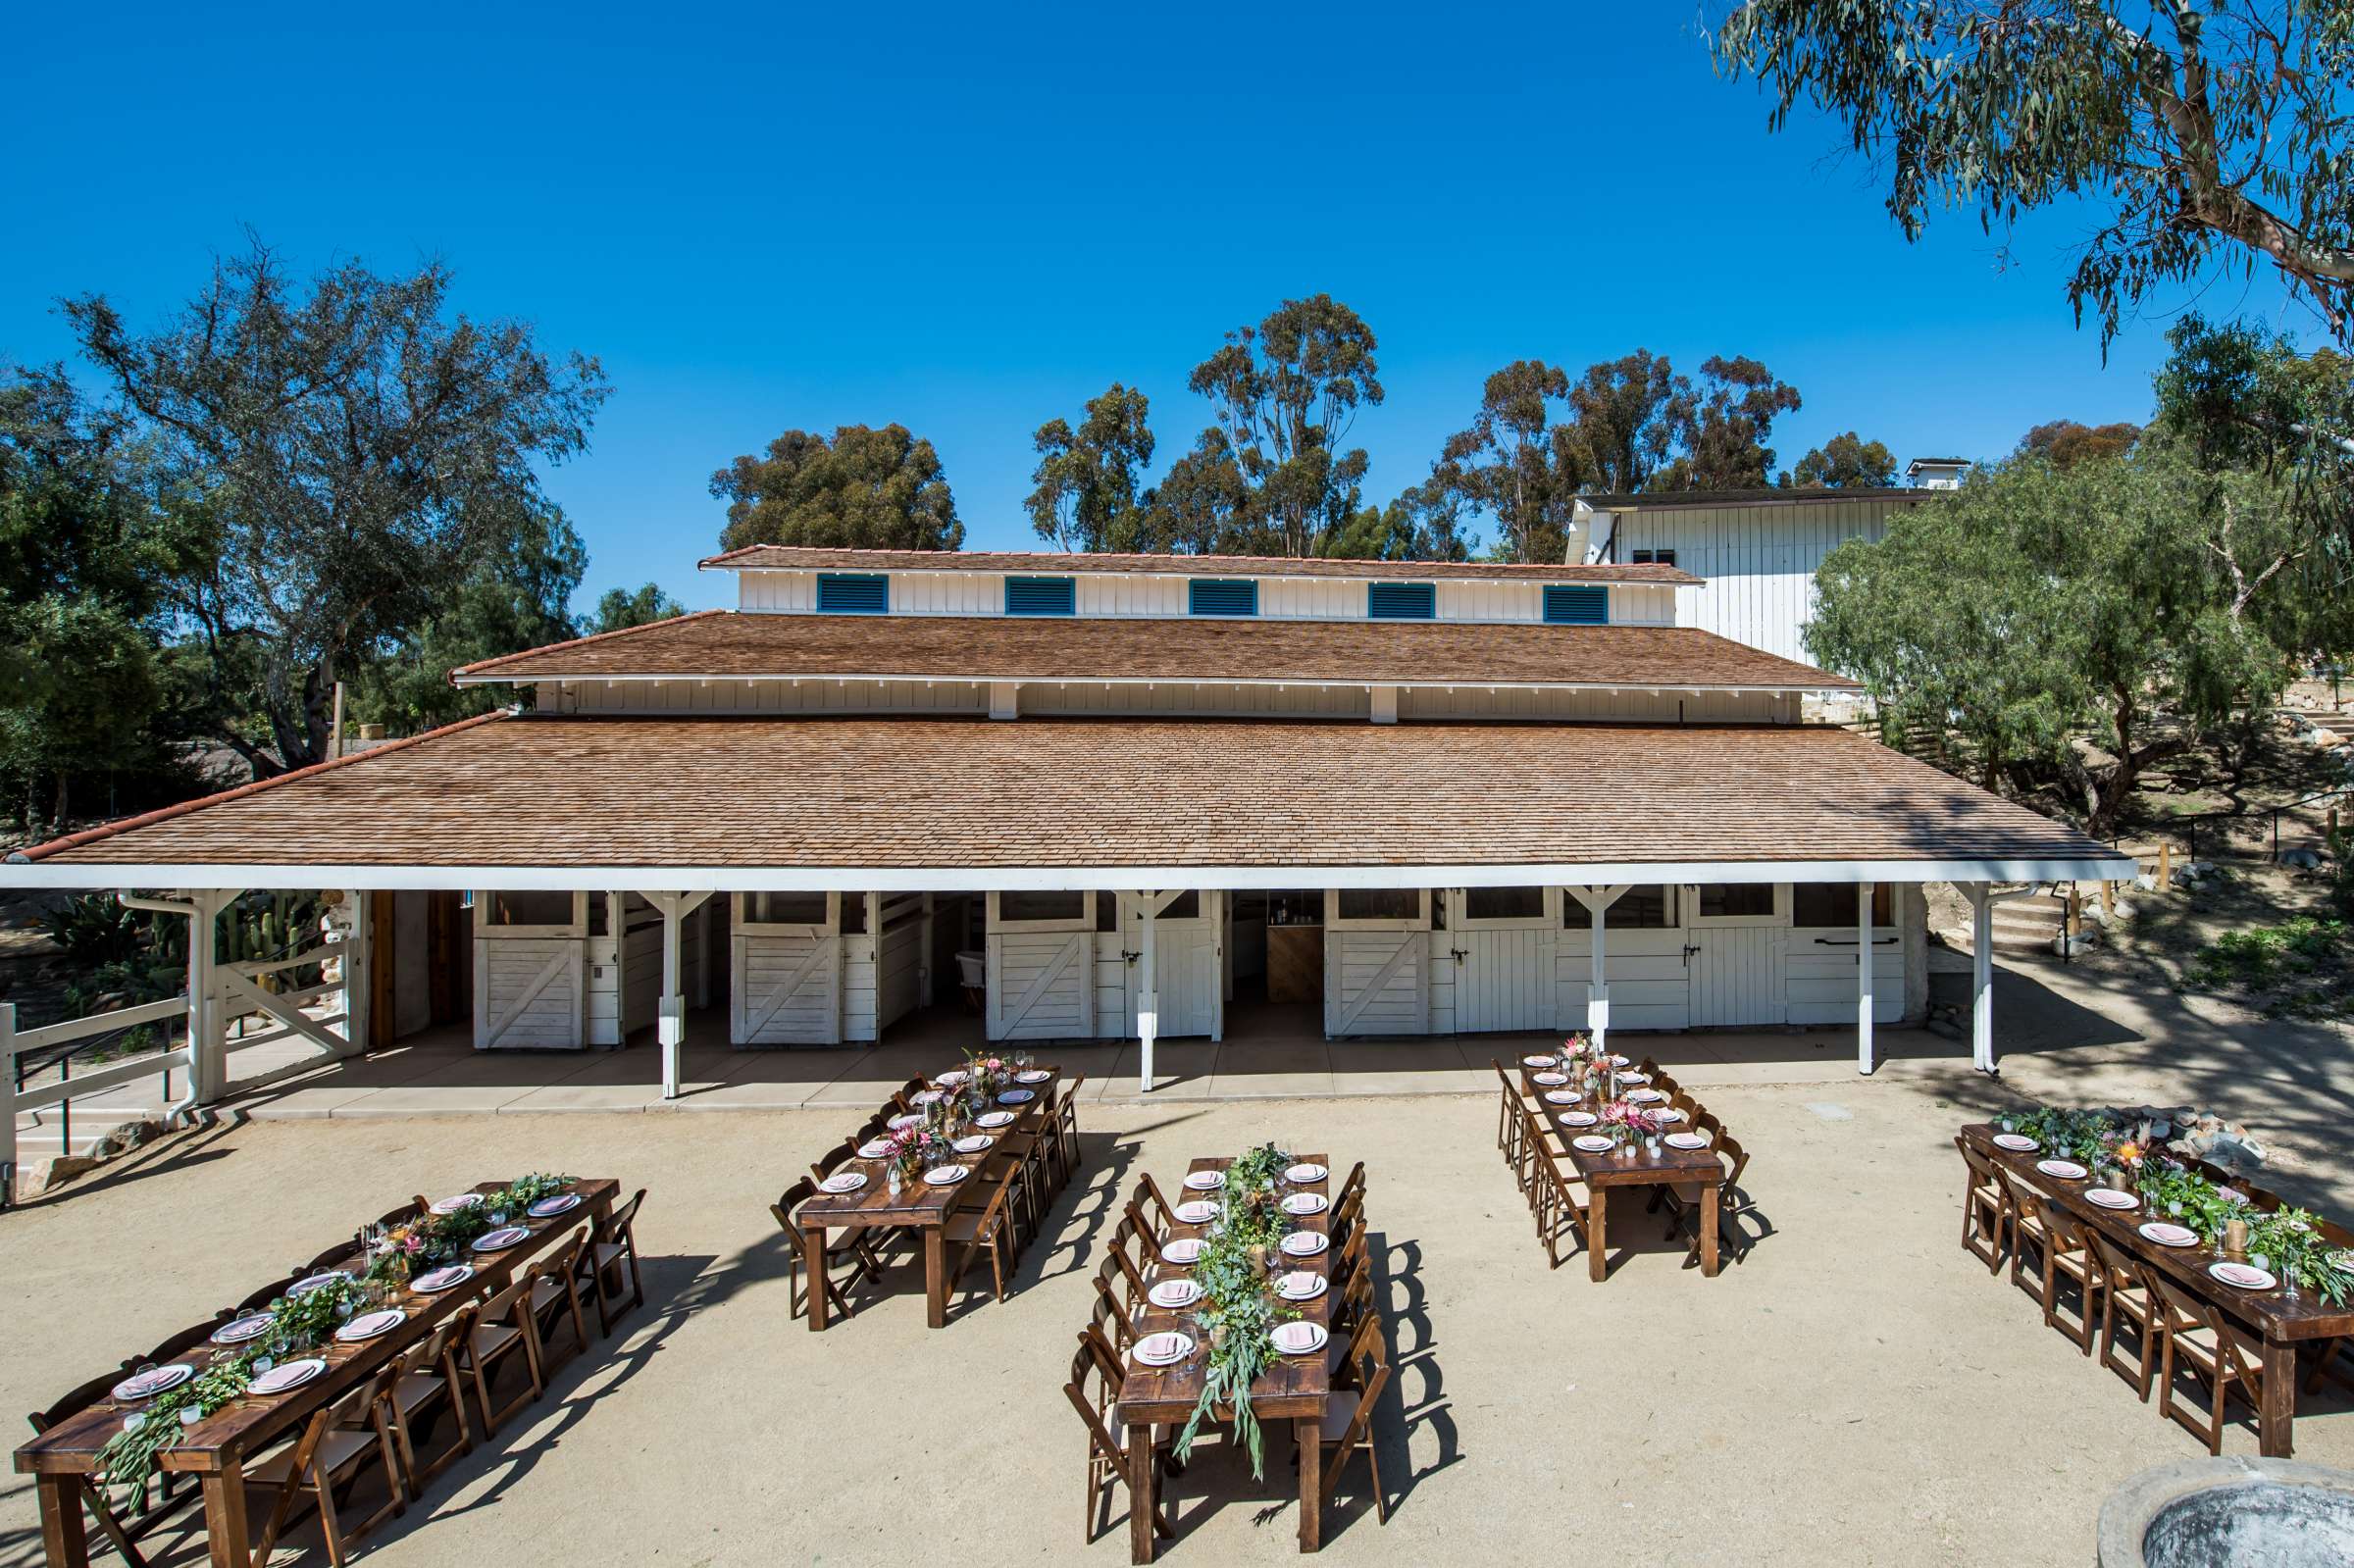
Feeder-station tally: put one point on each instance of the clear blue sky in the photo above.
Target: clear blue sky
(970, 219)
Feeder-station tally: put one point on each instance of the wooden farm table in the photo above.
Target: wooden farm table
(1292, 1389)
(218, 1447)
(1669, 1167)
(2281, 1325)
(919, 1206)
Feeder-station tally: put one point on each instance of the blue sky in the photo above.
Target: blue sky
(971, 219)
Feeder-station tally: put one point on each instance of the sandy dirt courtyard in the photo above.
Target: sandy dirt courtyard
(1855, 1390)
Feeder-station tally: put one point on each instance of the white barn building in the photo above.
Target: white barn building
(1132, 796)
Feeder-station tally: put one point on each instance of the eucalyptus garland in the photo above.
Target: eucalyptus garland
(1240, 1311)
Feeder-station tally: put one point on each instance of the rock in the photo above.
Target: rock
(2301, 859)
(2062, 945)
(2147, 882)
(47, 1175)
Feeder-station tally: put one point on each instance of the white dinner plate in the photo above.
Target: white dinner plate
(547, 1208)
(2166, 1233)
(1667, 1114)
(873, 1148)
(438, 1279)
(1185, 1251)
(1036, 1075)
(1591, 1144)
(946, 1175)
(1536, 1061)
(1634, 1077)
(2017, 1143)
(1175, 1295)
(1299, 1337)
(1305, 1172)
(1547, 1080)
(2065, 1170)
(994, 1119)
(154, 1380)
(1685, 1141)
(905, 1119)
(286, 1376)
(1205, 1181)
(2109, 1197)
(954, 1076)
(368, 1325)
(1579, 1118)
(1561, 1097)
(843, 1181)
(972, 1142)
(250, 1327)
(1305, 1243)
(2243, 1276)
(1645, 1096)
(1164, 1349)
(498, 1241)
(1017, 1096)
(1305, 1204)
(1199, 1211)
(928, 1097)
(1301, 1285)
(461, 1200)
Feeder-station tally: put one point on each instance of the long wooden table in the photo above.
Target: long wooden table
(217, 1448)
(2278, 1322)
(1293, 1388)
(1603, 1172)
(919, 1206)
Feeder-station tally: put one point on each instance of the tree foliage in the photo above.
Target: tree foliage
(2064, 442)
(1286, 393)
(1731, 416)
(1515, 465)
(1844, 462)
(1423, 523)
(2207, 136)
(862, 488)
(619, 609)
(348, 451)
(1637, 424)
(1086, 495)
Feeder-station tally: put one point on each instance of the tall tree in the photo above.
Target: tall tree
(864, 488)
(355, 448)
(1514, 464)
(2063, 443)
(619, 609)
(1087, 480)
(1203, 505)
(1423, 523)
(86, 558)
(1628, 419)
(1844, 462)
(2207, 135)
(2076, 624)
(1286, 394)
(1725, 446)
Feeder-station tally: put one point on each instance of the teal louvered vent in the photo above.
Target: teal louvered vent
(854, 593)
(1222, 597)
(1041, 596)
(1578, 605)
(1402, 601)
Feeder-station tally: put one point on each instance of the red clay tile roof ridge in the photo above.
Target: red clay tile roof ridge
(108, 829)
(480, 665)
(1210, 565)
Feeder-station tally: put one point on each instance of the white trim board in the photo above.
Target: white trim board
(1831, 685)
(983, 879)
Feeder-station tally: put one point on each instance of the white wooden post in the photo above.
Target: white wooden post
(670, 1025)
(8, 1102)
(1981, 975)
(1598, 902)
(208, 1017)
(1148, 997)
(1863, 1061)
(349, 919)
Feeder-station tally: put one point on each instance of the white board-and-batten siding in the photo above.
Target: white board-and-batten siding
(1757, 563)
(1117, 594)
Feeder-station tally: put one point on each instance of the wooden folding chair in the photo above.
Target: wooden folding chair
(340, 1444)
(1066, 1125)
(1348, 1426)
(612, 1257)
(1106, 1455)
(1154, 1211)
(404, 1214)
(2221, 1357)
(1551, 1197)
(904, 1095)
(555, 1296)
(1130, 1267)
(2125, 1293)
(839, 1243)
(2065, 1256)
(1111, 1316)
(426, 1391)
(1985, 1208)
(983, 1224)
(503, 1329)
(334, 1257)
(119, 1532)
(827, 1163)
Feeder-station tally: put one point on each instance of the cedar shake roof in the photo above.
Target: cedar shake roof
(736, 645)
(888, 793)
(811, 558)
(1772, 495)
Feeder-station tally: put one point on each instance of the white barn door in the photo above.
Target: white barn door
(1504, 945)
(788, 972)
(1189, 961)
(1736, 948)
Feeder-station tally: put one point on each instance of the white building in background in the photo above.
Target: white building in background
(1756, 551)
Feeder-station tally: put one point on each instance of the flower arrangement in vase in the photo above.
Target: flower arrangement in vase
(1628, 1123)
(917, 1147)
(985, 1076)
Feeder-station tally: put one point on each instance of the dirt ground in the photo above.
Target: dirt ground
(1857, 1389)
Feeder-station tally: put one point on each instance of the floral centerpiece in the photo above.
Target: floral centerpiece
(1624, 1122)
(1239, 1309)
(985, 1076)
(430, 1241)
(917, 1147)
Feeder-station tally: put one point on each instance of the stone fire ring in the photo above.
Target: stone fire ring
(2280, 1512)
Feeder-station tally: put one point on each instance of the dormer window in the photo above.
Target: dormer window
(1402, 601)
(1222, 597)
(1577, 605)
(854, 593)
(1041, 596)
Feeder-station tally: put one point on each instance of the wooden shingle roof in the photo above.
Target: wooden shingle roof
(744, 794)
(736, 645)
(813, 558)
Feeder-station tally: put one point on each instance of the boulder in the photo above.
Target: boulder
(2301, 859)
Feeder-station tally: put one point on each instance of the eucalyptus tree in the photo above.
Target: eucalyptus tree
(1843, 462)
(1514, 464)
(1087, 480)
(2204, 137)
(864, 488)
